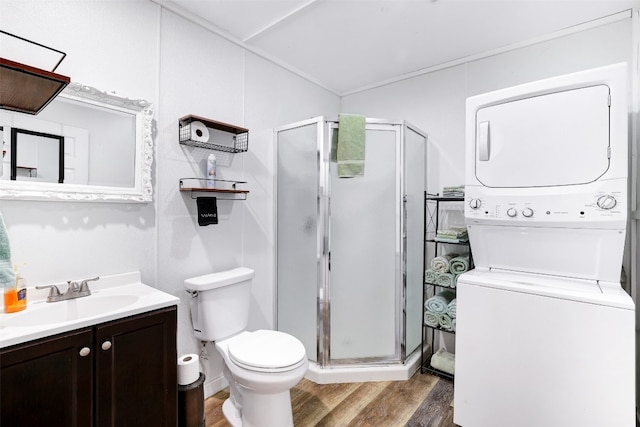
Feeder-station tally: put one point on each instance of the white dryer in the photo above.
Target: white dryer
(545, 333)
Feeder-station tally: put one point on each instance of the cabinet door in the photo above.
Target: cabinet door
(136, 375)
(48, 382)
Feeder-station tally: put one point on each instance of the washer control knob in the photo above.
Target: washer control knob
(607, 202)
(527, 212)
(512, 212)
(474, 203)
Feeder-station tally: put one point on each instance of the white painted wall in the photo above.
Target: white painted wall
(205, 75)
(111, 46)
(140, 50)
(435, 102)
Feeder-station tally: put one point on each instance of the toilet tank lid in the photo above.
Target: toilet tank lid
(221, 278)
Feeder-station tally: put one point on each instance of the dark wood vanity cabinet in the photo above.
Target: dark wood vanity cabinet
(47, 382)
(136, 374)
(116, 374)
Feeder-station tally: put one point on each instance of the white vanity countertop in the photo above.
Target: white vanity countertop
(112, 297)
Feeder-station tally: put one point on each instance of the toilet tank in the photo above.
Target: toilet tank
(220, 303)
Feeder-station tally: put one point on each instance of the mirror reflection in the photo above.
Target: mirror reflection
(99, 143)
(85, 145)
(40, 157)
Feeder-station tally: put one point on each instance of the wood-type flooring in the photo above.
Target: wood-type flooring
(422, 401)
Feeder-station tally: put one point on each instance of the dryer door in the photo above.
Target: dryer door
(549, 140)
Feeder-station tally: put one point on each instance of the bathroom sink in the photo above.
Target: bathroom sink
(43, 313)
(112, 297)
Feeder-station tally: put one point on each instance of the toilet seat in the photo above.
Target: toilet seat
(266, 351)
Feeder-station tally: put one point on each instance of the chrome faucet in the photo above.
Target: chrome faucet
(74, 290)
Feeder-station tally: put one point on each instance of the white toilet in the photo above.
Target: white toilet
(262, 366)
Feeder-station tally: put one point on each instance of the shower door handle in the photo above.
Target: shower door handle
(404, 217)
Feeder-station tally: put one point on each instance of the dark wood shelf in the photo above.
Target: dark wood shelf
(213, 190)
(240, 135)
(193, 187)
(28, 89)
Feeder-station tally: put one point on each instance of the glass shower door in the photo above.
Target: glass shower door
(297, 241)
(414, 185)
(364, 267)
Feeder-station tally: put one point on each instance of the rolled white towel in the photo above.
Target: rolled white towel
(453, 325)
(439, 302)
(431, 319)
(444, 361)
(441, 264)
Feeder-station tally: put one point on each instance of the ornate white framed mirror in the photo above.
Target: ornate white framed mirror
(108, 149)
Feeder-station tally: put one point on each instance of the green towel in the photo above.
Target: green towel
(452, 308)
(351, 145)
(430, 276)
(446, 279)
(459, 264)
(7, 276)
(438, 303)
(444, 320)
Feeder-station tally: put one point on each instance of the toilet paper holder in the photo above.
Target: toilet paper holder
(236, 142)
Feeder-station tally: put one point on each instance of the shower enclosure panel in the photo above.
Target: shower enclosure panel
(364, 257)
(349, 250)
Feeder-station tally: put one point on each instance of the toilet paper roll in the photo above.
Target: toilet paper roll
(199, 132)
(188, 369)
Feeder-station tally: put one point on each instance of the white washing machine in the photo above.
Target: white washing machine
(545, 334)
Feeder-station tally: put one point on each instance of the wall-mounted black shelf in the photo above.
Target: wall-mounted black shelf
(190, 133)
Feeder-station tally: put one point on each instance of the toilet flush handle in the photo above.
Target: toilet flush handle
(194, 294)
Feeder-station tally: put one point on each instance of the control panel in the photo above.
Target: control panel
(557, 207)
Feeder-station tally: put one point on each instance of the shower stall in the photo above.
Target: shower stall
(349, 251)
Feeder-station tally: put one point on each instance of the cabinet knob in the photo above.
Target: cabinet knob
(106, 345)
(84, 351)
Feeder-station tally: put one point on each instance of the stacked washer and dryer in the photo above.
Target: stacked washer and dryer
(545, 333)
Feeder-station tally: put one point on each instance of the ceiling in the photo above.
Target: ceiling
(349, 45)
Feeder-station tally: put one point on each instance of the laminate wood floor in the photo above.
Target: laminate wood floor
(422, 401)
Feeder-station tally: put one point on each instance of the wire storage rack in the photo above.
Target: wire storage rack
(194, 131)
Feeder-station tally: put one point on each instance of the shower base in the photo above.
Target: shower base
(360, 373)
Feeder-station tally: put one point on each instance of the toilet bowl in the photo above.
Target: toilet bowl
(264, 366)
(261, 366)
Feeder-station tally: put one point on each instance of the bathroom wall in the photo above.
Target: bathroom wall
(435, 101)
(224, 83)
(140, 50)
(112, 46)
